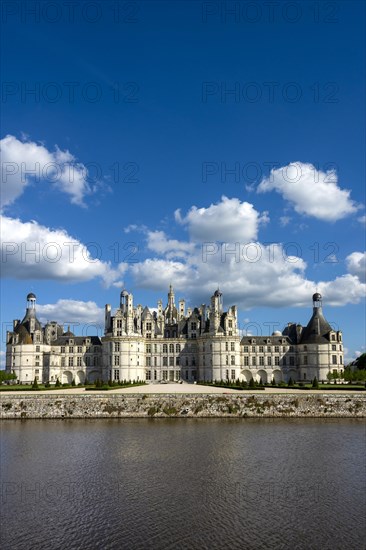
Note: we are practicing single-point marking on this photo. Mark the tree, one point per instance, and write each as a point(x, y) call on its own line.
point(260, 381)
point(35, 384)
point(58, 383)
point(73, 382)
point(5, 376)
point(290, 382)
point(315, 383)
point(329, 376)
point(252, 383)
point(273, 382)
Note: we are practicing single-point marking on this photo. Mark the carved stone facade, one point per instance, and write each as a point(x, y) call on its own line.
point(172, 344)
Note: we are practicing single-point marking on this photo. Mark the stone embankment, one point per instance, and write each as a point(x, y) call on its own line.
point(182, 406)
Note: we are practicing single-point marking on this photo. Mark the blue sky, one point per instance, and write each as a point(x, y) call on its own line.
point(153, 138)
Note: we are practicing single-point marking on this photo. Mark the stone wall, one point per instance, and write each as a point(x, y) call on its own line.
point(182, 406)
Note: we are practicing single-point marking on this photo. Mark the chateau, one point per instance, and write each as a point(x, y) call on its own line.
point(172, 343)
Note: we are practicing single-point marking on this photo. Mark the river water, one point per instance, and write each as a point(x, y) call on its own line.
point(183, 483)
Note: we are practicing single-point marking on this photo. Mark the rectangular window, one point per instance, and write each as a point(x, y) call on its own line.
point(71, 349)
point(116, 374)
point(119, 323)
point(277, 349)
point(171, 348)
point(148, 375)
point(261, 349)
point(233, 360)
point(261, 360)
point(37, 371)
point(116, 346)
point(165, 361)
point(227, 374)
point(165, 375)
point(155, 361)
point(148, 326)
point(71, 361)
point(38, 349)
point(165, 348)
point(116, 360)
point(277, 360)
point(193, 326)
point(254, 361)
point(246, 361)
point(340, 360)
point(148, 348)
point(155, 374)
point(305, 359)
point(171, 361)
point(80, 349)
point(232, 346)
point(148, 361)
point(62, 361)
point(246, 349)
point(334, 347)
point(155, 348)
point(226, 346)
point(63, 349)
point(78, 359)
point(253, 349)
point(177, 362)
point(269, 361)
point(233, 374)
point(334, 359)
point(227, 359)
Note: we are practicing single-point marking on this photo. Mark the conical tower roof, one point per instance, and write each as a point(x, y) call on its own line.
point(317, 330)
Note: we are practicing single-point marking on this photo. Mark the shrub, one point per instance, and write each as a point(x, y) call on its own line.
point(315, 383)
point(252, 383)
point(273, 382)
point(290, 383)
point(58, 384)
point(35, 384)
point(73, 382)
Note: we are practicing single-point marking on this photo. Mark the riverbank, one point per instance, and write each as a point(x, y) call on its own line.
point(182, 405)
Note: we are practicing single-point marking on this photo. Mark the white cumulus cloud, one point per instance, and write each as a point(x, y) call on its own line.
point(158, 242)
point(75, 313)
point(32, 251)
point(24, 162)
point(310, 191)
point(356, 264)
point(230, 220)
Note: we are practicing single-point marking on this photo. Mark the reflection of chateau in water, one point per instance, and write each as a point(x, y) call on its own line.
point(172, 343)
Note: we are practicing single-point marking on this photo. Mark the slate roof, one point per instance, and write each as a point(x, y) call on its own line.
point(317, 330)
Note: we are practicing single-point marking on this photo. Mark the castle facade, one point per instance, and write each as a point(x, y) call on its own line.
point(172, 343)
